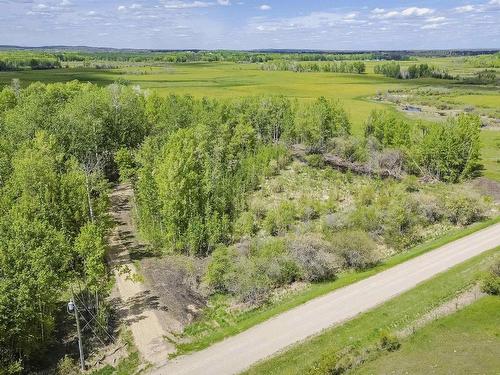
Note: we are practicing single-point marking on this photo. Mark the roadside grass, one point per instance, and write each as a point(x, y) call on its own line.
point(319, 354)
point(467, 342)
point(490, 153)
point(234, 325)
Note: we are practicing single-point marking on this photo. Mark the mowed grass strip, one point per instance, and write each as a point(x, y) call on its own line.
point(467, 342)
point(254, 317)
point(317, 355)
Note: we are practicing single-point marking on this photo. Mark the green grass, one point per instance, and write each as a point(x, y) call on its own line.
point(253, 317)
point(467, 342)
point(491, 101)
point(317, 355)
point(490, 153)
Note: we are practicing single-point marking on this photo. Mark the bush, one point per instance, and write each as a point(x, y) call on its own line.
point(400, 223)
point(491, 282)
point(125, 162)
point(247, 284)
point(350, 148)
point(464, 208)
point(245, 225)
point(335, 221)
point(308, 209)
point(429, 207)
point(280, 270)
point(315, 160)
point(314, 258)
point(280, 220)
point(388, 342)
point(67, 366)
point(356, 248)
point(220, 266)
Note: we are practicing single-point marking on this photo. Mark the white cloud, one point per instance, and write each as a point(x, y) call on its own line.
point(414, 11)
point(65, 3)
point(121, 8)
point(494, 2)
point(265, 7)
point(186, 4)
point(135, 6)
point(224, 2)
point(435, 19)
point(408, 12)
point(431, 26)
point(465, 9)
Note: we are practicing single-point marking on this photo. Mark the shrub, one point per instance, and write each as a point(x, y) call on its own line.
point(315, 160)
point(308, 209)
point(388, 342)
point(245, 225)
point(314, 258)
point(367, 218)
point(464, 208)
point(125, 162)
point(491, 282)
point(335, 221)
point(220, 266)
point(400, 223)
point(247, 284)
point(280, 220)
point(350, 148)
point(429, 207)
point(281, 269)
point(67, 366)
point(356, 248)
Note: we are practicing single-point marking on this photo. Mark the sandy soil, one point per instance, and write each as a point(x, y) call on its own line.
point(137, 306)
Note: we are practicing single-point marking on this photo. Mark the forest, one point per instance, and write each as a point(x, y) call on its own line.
point(195, 165)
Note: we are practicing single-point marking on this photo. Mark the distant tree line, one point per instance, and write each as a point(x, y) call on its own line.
point(357, 67)
point(394, 70)
point(23, 61)
point(484, 61)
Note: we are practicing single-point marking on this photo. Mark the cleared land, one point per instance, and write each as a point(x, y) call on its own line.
point(239, 352)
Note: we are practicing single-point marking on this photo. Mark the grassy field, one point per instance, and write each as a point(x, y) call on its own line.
point(491, 153)
point(317, 355)
point(467, 342)
point(249, 319)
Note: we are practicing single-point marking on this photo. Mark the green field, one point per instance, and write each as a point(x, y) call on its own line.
point(467, 342)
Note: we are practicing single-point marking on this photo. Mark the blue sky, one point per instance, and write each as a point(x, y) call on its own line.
point(248, 24)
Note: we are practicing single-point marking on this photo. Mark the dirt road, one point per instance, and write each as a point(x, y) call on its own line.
point(239, 352)
point(138, 307)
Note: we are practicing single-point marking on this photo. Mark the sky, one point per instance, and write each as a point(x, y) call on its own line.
point(249, 24)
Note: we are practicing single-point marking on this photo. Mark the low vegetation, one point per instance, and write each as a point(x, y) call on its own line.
point(464, 342)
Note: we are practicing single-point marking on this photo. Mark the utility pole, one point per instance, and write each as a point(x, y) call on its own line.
point(73, 307)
